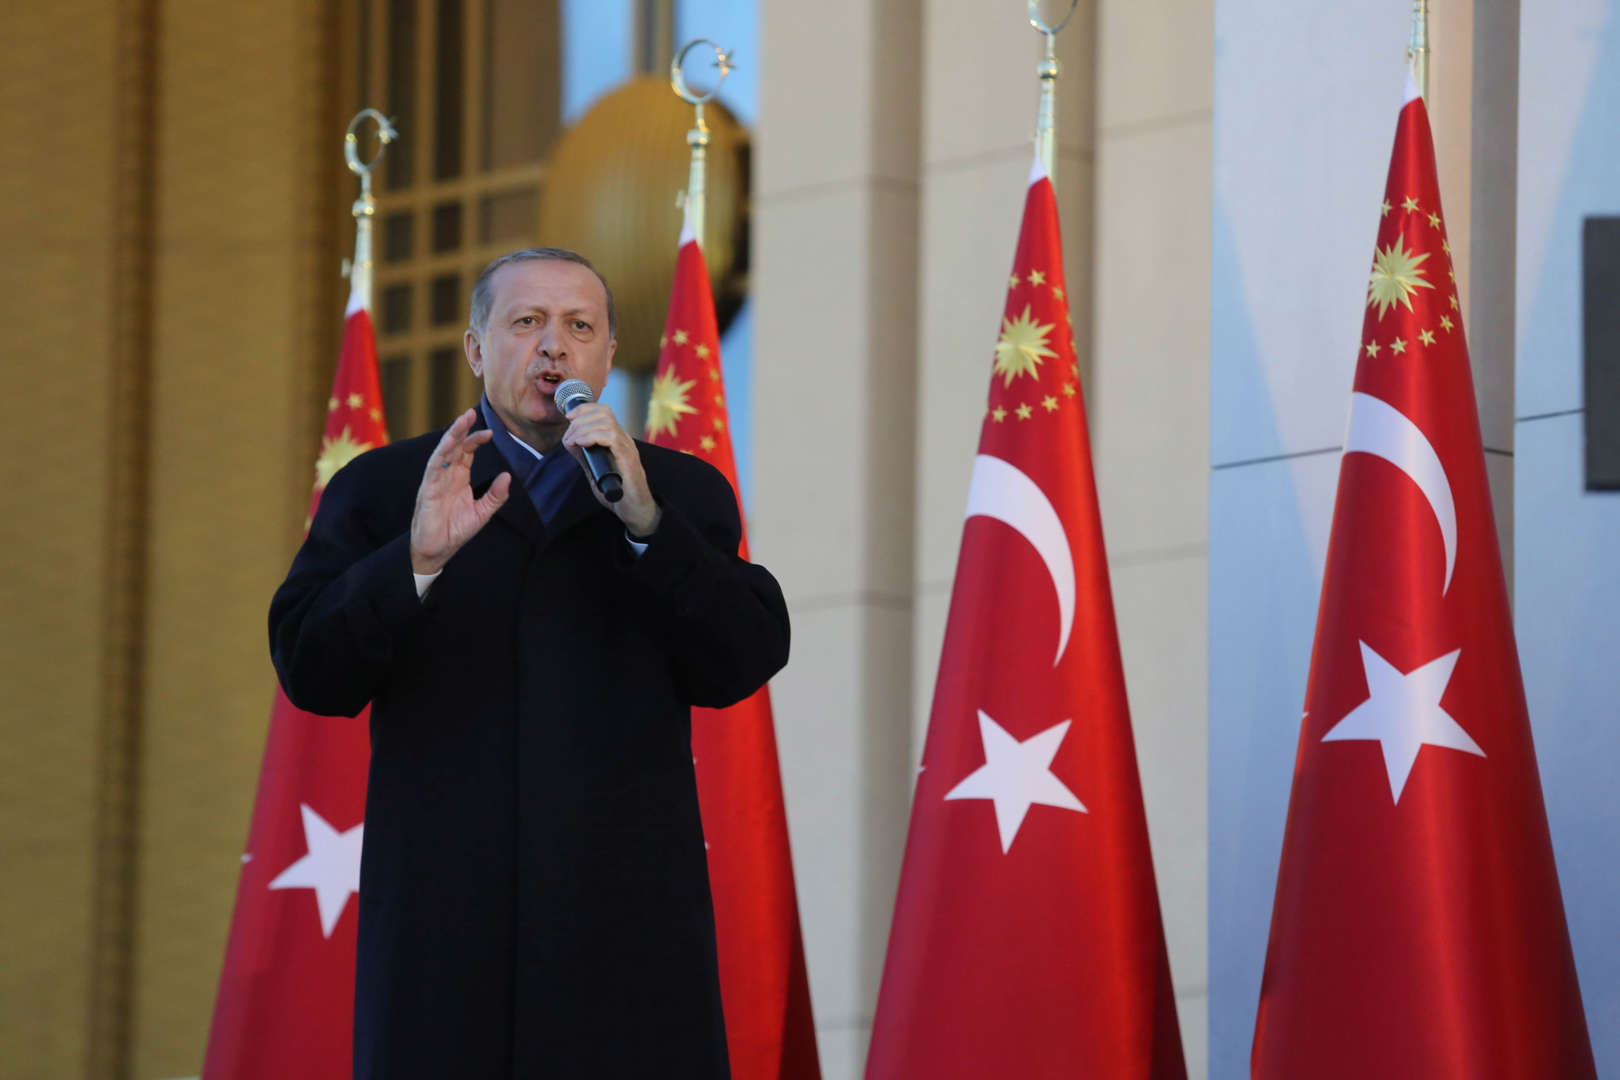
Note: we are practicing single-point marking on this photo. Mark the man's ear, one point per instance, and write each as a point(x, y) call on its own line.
point(475, 352)
point(613, 347)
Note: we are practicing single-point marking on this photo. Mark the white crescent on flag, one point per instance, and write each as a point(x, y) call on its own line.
point(1003, 492)
point(1380, 429)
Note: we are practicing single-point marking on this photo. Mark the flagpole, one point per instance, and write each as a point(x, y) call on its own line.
point(1048, 70)
point(359, 269)
point(1417, 50)
point(698, 137)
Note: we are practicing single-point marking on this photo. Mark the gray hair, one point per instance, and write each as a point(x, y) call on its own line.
point(483, 292)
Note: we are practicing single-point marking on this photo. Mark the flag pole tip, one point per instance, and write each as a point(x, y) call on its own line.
point(1037, 168)
point(687, 233)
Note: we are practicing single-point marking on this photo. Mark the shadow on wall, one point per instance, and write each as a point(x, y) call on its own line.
point(1268, 539)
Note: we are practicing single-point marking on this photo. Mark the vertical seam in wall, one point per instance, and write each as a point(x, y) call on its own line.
point(133, 194)
point(892, 252)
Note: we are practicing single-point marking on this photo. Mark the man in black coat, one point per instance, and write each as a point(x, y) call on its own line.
point(534, 895)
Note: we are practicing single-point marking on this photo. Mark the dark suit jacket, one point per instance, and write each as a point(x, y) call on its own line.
point(534, 895)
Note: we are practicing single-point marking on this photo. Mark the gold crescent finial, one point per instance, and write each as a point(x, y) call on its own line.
point(695, 200)
point(677, 73)
point(386, 134)
point(1038, 23)
point(358, 270)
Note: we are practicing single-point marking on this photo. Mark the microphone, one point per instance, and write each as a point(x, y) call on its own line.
point(570, 394)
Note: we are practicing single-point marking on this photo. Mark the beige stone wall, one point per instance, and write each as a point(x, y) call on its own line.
point(245, 290)
point(171, 307)
point(835, 256)
point(58, 118)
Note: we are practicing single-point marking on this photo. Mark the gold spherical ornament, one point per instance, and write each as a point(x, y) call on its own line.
point(610, 194)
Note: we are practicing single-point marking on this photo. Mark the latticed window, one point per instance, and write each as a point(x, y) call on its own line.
point(475, 88)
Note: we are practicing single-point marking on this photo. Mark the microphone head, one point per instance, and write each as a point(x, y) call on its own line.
point(572, 393)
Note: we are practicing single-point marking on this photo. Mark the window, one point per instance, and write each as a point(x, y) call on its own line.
point(475, 89)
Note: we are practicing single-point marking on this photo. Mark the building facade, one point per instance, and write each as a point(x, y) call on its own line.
point(178, 209)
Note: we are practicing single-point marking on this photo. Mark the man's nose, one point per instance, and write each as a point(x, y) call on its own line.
point(550, 344)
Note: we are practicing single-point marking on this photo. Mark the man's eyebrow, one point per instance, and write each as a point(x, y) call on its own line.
point(522, 307)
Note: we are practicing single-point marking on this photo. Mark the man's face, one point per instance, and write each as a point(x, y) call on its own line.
point(548, 322)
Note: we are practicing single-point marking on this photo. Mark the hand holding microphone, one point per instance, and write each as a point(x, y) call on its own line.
point(609, 456)
point(570, 395)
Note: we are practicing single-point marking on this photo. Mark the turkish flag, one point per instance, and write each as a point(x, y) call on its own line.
point(285, 1005)
point(770, 1031)
point(1027, 940)
point(1418, 929)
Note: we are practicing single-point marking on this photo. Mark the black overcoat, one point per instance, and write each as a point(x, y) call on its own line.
point(534, 896)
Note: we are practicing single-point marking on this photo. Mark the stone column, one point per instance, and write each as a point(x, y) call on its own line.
point(835, 309)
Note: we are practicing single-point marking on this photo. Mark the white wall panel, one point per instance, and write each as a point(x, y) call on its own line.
point(1569, 167)
point(1268, 533)
point(1569, 648)
point(1566, 539)
point(1306, 97)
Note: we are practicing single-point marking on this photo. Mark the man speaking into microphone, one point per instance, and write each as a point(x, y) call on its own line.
point(534, 895)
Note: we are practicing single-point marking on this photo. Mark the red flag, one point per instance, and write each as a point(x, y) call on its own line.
point(1026, 939)
point(770, 1031)
point(1418, 929)
point(286, 994)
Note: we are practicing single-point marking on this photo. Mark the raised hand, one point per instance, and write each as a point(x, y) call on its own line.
point(595, 425)
point(447, 515)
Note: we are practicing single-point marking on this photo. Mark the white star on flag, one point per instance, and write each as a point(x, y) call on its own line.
point(1016, 775)
point(331, 868)
point(1403, 713)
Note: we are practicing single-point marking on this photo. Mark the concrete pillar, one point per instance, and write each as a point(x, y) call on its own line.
point(835, 214)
